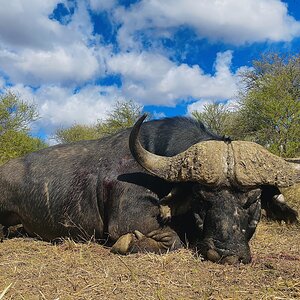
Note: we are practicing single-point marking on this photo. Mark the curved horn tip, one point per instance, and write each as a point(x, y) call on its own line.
point(133, 138)
point(141, 119)
point(136, 127)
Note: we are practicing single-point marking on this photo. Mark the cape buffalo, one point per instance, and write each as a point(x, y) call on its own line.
point(215, 188)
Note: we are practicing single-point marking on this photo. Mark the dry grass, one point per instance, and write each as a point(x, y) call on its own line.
point(31, 269)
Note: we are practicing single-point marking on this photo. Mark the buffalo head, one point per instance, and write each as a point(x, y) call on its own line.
point(227, 177)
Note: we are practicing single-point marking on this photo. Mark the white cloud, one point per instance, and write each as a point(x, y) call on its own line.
point(54, 58)
point(154, 79)
point(2, 83)
point(60, 106)
point(26, 24)
point(35, 50)
point(198, 106)
point(230, 104)
point(84, 107)
point(81, 23)
point(74, 64)
point(158, 115)
point(148, 78)
point(57, 57)
point(98, 6)
point(230, 21)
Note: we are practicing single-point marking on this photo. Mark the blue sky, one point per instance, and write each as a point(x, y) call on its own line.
point(75, 59)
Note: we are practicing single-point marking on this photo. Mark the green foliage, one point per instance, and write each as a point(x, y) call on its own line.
point(215, 116)
point(15, 117)
point(123, 115)
point(269, 107)
point(77, 132)
point(15, 114)
point(17, 143)
point(270, 104)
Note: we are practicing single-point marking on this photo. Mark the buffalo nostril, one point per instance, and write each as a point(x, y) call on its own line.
point(213, 255)
point(234, 259)
point(246, 260)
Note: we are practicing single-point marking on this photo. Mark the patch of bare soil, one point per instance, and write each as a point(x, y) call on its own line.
point(31, 269)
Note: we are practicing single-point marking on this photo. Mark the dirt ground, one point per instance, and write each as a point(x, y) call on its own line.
point(32, 269)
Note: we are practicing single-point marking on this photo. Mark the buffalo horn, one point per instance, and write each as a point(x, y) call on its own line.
point(215, 163)
point(204, 162)
point(254, 166)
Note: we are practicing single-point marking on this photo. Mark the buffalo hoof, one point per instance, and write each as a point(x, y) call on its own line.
point(139, 235)
point(124, 244)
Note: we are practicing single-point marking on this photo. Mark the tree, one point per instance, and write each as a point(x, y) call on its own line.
point(15, 114)
point(123, 115)
point(15, 118)
point(270, 104)
point(77, 132)
point(215, 116)
point(17, 143)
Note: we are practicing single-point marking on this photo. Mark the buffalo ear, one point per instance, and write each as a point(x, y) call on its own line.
point(273, 202)
point(251, 197)
point(254, 212)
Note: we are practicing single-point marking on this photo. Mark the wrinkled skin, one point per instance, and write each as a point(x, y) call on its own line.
point(227, 220)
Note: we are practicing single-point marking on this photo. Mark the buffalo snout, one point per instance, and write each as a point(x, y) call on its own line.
point(228, 221)
point(238, 254)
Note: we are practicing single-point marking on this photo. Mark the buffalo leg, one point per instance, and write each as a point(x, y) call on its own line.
point(157, 241)
point(8, 219)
